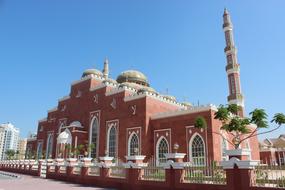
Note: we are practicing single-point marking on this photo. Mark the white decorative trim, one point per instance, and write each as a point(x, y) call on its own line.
point(106, 158)
point(237, 102)
point(42, 120)
point(87, 78)
point(233, 70)
point(102, 85)
point(241, 164)
point(154, 96)
point(64, 98)
point(174, 155)
point(52, 110)
point(114, 103)
point(117, 91)
point(175, 165)
point(131, 164)
point(183, 112)
point(137, 157)
point(237, 152)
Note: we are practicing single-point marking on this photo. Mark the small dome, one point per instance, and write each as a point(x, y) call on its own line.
point(89, 72)
point(133, 76)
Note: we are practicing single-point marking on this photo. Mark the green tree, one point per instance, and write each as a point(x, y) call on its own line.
point(238, 127)
point(10, 154)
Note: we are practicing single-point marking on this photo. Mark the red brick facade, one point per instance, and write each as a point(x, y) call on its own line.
point(148, 115)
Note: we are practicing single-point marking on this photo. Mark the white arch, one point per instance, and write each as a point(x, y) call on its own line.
point(190, 147)
point(60, 127)
point(116, 140)
point(94, 119)
point(64, 137)
point(129, 143)
point(157, 148)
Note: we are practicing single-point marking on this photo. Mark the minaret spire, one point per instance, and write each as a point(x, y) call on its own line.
point(233, 67)
point(106, 68)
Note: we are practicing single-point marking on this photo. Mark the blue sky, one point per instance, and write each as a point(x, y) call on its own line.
point(47, 44)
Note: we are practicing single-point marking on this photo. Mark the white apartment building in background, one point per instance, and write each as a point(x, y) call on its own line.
point(9, 139)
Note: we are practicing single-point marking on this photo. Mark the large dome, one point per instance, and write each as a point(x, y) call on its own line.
point(92, 72)
point(133, 76)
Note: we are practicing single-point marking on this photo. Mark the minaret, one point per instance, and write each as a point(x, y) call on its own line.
point(106, 69)
point(232, 68)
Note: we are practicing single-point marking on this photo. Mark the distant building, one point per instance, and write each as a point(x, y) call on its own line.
point(9, 138)
point(272, 150)
point(22, 148)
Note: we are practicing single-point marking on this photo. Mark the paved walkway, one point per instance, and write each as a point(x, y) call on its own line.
point(26, 182)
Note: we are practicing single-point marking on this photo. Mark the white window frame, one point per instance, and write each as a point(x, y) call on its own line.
point(94, 119)
point(157, 148)
point(50, 135)
point(129, 143)
point(108, 138)
point(190, 148)
point(40, 142)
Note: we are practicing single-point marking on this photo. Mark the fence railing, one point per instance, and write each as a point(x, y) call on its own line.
point(35, 167)
point(62, 169)
point(210, 174)
point(261, 176)
point(153, 173)
point(52, 168)
point(94, 171)
point(77, 170)
point(118, 171)
point(270, 176)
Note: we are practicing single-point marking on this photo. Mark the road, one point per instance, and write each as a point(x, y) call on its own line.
point(26, 182)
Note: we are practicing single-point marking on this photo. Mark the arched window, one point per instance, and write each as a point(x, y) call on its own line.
point(224, 146)
point(161, 149)
point(112, 142)
point(39, 150)
point(94, 132)
point(198, 151)
point(247, 146)
point(49, 146)
point(133, 145)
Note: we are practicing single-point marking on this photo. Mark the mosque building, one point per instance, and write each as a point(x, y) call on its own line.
point(127, 116)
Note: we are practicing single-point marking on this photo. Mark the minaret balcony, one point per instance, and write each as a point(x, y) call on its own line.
point(227, 24)
point(230, 48)
point(232, 66)
point(235, 97)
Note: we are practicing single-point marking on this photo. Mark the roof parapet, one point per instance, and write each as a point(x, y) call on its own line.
point(184, 112)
